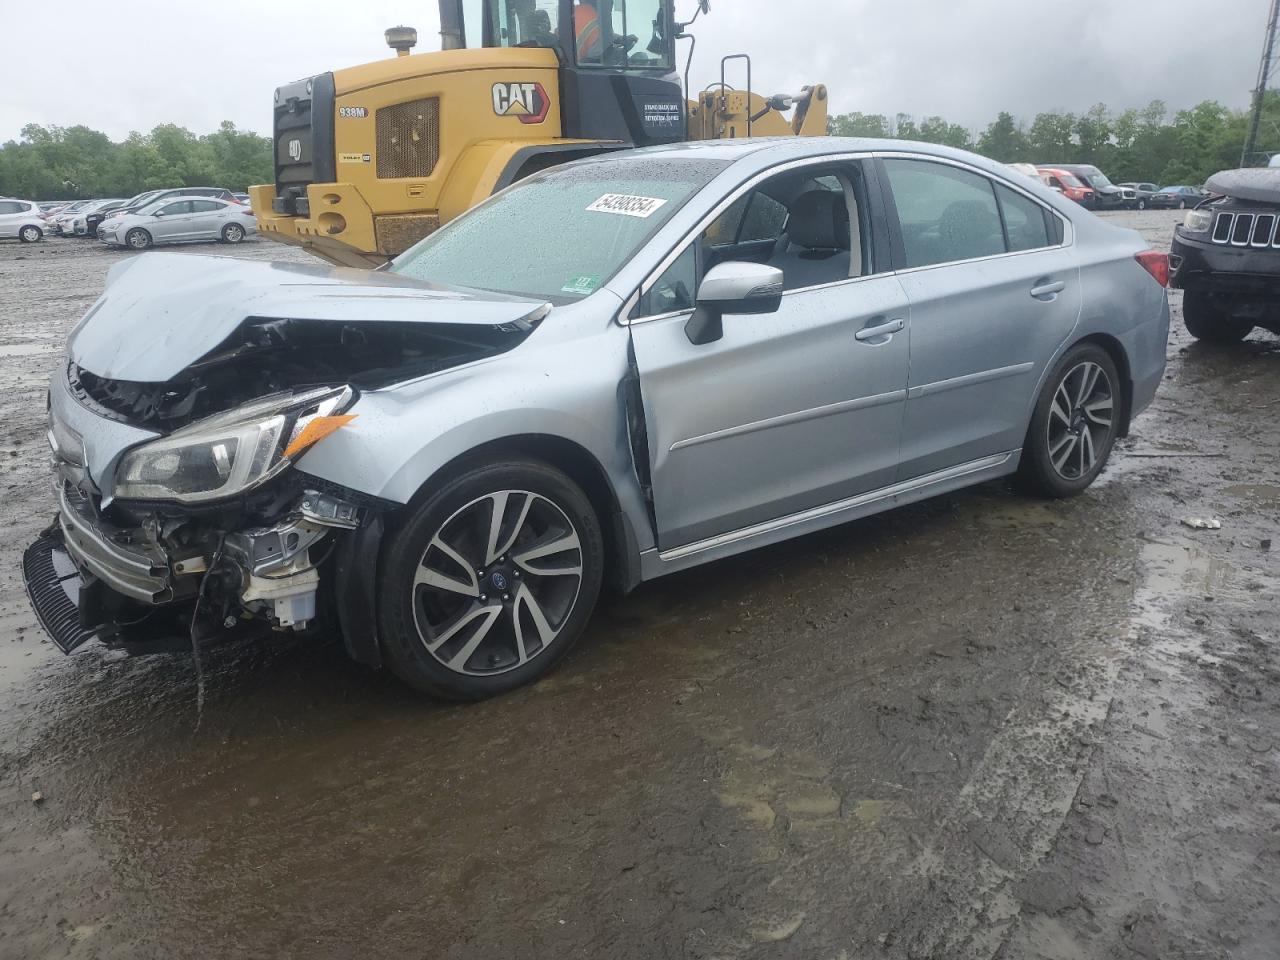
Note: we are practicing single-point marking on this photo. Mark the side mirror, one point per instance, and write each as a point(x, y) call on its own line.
point(734, 287)
point(704, 6)
point(158, 213)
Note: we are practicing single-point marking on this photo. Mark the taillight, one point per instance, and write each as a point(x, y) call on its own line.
point(1156, 264)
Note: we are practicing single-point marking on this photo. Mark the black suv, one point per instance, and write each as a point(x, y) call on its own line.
point(1226, 257)
point(1106, 195)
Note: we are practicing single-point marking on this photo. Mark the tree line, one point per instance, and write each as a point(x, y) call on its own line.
point(68, 163)
point(1150, 144)
point(1146, 145)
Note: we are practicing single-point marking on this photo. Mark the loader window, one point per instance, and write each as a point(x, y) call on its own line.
point(525, 23)
point(622, 33)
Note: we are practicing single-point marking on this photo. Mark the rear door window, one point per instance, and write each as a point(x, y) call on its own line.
point(945, 213)
point(1024, 220)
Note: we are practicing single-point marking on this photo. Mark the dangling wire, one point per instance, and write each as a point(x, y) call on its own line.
point(195, 641)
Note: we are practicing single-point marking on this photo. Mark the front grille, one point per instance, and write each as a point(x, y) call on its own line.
point(1245, 229)
point(408, 139)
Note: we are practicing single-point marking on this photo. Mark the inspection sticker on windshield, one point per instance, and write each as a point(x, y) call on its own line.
point(627, 206)
point(581, 285)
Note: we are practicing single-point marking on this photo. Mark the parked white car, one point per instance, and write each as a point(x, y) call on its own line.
point(21, 219)
point(180, 220)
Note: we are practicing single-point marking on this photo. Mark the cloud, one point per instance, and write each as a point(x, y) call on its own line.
point(132, 64)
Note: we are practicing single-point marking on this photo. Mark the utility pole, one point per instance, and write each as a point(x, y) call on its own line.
point(1265, 69)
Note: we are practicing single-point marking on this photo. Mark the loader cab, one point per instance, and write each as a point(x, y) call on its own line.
point(618, 78)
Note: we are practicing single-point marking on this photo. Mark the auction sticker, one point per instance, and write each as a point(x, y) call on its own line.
point(627, 206)
point(581, 285)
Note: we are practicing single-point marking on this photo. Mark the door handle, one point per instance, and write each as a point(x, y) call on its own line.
point(882, 328)
point(1048, 289)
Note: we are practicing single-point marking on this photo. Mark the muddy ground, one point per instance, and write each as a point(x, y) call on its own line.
point(983, 726)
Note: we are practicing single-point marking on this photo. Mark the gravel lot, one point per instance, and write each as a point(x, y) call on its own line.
point(983, 726)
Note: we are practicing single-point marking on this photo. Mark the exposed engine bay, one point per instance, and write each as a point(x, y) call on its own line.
point(268, 356)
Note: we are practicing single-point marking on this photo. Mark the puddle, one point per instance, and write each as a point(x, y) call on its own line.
point(1260, 493)
point(24, 349)
point(1179, 576)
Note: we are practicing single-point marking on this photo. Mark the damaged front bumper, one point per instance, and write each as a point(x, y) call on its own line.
point(149, 586)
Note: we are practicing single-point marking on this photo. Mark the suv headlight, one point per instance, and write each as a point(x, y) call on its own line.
point(233, 452)
point(1197, 221)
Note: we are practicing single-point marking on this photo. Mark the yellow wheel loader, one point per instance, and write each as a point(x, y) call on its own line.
point(371, 159)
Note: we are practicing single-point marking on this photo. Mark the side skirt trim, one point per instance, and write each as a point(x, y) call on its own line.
point(655, 563)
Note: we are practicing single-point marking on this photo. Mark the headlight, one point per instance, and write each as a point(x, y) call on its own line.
point(1197, 221)
point(233, 452)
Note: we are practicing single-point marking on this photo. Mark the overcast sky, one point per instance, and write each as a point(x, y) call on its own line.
point(131, 64)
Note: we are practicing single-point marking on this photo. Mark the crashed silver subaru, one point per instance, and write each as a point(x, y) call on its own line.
point(613, 370)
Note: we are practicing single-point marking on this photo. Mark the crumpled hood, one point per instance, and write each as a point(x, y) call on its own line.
point(161, 312)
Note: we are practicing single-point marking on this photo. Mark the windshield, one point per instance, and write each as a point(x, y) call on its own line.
point(559, 235)
point(1096, 179)
point(1172, 190)
point(1068, 180)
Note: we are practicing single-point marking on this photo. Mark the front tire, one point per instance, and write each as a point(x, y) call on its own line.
point(1074, 425)
point(30, 234)
point(232, 233)
point(1142, 204)
point(1182, 205)
point(490, 581)
point(137, 239)
point(1208, 318)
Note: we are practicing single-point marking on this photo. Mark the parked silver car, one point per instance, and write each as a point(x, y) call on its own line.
point(20, 219)
point(612, 370)
point(180, 220)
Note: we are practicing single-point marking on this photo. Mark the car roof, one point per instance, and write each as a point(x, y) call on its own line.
point(760, 153)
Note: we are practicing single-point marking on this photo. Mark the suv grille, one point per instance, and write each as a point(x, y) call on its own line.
point(408, 139)
point(1246, 229)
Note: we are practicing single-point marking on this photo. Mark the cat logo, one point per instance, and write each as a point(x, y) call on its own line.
point(527, 101)
point(295, 150)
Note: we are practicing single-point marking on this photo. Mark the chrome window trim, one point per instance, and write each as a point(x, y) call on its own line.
point(623, 318)
point(1068, 231)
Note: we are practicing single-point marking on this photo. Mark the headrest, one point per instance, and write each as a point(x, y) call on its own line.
point(819, 221)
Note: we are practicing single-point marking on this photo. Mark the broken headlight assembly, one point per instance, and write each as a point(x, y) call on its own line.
point(1197, 221)
point(233, 452)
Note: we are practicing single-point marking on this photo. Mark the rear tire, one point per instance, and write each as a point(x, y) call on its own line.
point(137, 239)
point(471, 606)
point(232, 233)
point(30, 234)
point(1208, 318)
point(1074, 425)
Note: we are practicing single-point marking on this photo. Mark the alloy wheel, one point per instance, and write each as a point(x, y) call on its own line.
point(138, 240)
point(1080, 420)
point(497, 583)
point(233, 233)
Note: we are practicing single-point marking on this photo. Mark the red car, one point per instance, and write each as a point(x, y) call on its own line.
point(1070, 185)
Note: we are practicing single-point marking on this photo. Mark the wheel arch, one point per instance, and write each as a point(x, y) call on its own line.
point(622, 553)
point(1120, 357)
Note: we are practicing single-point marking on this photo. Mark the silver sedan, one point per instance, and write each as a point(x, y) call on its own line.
point(615, 369)
point(180, 220)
